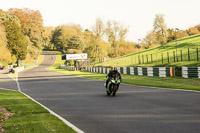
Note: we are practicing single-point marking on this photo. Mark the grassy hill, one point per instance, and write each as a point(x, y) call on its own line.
point(162, 55)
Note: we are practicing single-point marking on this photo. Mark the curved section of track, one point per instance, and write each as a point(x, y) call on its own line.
point(84, 103)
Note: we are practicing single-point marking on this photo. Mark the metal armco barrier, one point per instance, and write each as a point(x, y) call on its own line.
point(30, 65)
point(146, 71)
point(191, 72)
point(67, 67)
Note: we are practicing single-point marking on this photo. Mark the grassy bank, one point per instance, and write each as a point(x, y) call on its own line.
point(40, 60)
point(154, 56)
point(168, 82)
point(29, 117)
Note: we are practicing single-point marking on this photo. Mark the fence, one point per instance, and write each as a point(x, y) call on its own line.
point(67, 67)
point(146, 71)
point(30, 65)
point(191, 54)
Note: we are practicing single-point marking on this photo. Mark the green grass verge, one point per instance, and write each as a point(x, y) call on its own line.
point(168, 82)
point(29, 117)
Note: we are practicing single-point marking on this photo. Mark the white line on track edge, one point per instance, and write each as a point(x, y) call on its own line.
point(8, 89)
point(50, 111)
point(58, 116)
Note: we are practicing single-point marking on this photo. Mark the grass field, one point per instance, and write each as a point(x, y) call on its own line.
point(168, 82)
point(154, 55)
point(29, 117)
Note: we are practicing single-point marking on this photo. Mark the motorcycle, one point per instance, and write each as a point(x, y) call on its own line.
point(113, 86)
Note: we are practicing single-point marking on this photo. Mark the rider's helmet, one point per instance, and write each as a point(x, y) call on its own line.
point(115, 69)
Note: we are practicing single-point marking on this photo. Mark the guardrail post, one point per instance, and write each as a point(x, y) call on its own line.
point(147, 58)
point(143, 59)
point(188, 54)
point(181, 55)
point(174, 56)
point(139, 58)
point(197, 55)
point(168, 56)
point(156, 58)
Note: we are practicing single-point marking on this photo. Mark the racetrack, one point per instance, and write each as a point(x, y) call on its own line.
point(84, 103)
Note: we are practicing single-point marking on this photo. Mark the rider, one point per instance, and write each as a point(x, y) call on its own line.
point(111, 74)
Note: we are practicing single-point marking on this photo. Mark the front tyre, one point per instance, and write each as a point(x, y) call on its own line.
point(114, 89)
point(108, 94)
point(114, 93)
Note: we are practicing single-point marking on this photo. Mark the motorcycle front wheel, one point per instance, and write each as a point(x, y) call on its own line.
point(108, 93)
point(114, 90)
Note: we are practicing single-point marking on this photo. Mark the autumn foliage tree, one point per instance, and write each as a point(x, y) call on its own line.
point(115, 34)
point(160, 29)
point(16, 40)
point(5, 55)
point(149, 40)
point(47, 38)
point(73, 39)
point(192, 31)
point(32, 27)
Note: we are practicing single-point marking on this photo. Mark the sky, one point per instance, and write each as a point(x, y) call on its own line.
point(138, 15)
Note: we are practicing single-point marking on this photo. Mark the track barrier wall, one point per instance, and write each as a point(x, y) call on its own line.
point(146, 71)
point(191, 72)
point(187, 72)
point(67, 67)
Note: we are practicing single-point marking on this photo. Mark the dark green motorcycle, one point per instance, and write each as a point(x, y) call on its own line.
point(113, 86)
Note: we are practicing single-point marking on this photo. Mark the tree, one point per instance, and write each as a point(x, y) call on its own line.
point(115, 33)
point(181, 34)
point(192, 31)
point(171, 35)
point(32, 27)
point(47, 38)
point(75, 42)
point(126, 48)
point(61, 35)
point(67, 32)
point(149, 40)
point(123, 30)
point(160, 29)
point(56, 38)
point(5, 55)
point(198, 27)
point(98, 28)
point(16, 40)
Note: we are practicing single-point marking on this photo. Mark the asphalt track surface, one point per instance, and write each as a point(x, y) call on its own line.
point(6, 81)
point(134, 109)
